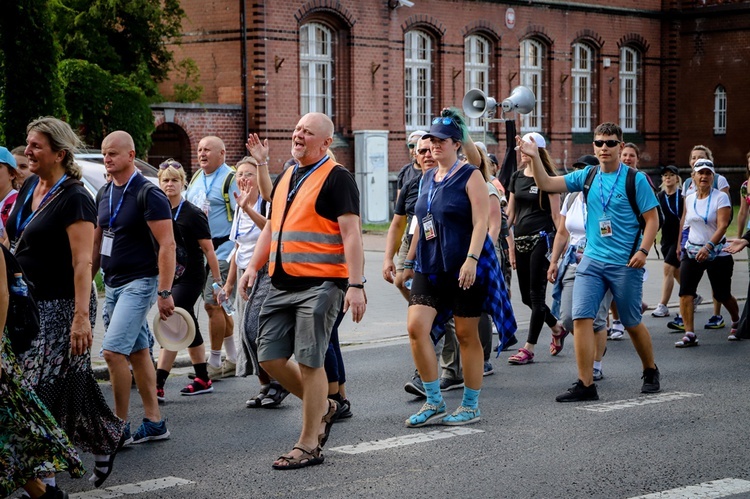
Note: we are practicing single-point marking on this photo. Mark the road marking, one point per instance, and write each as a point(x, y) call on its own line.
point(133, 488)
point(646, 400)
point(409, 439)
point(717, 488)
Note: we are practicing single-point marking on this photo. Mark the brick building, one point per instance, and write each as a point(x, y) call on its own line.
point(660, 68)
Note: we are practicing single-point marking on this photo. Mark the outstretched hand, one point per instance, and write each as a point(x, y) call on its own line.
point(257, 149)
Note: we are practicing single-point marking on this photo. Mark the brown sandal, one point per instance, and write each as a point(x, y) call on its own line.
point(308, 458)
point(328, 420)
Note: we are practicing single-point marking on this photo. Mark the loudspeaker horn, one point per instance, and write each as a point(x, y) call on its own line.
point(521, 100)
point(476, 103)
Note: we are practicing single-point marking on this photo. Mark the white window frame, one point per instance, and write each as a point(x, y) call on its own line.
point(629, 65)
point(417, 79)
point(581, 73)
point(532, 77)
point(720, 111)
point(316, 69)
point(476, 70)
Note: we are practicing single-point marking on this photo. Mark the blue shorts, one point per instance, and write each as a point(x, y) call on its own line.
point(126, 308)
point(595, 278)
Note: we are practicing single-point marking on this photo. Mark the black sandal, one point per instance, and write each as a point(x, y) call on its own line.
point(308, 458)
point(328, 419)
point(255, 402)
point(100, 476)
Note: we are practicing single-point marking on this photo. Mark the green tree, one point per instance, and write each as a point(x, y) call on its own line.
point(188, 89)
point(30, 86)
point(123, 37)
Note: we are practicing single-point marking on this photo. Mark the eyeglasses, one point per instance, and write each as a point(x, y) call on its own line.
point(170, 162)
point(610, 143)
point(411, 145)
point(445, 121)
point(422, 152)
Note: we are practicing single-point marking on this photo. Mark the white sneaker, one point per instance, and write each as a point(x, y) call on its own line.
point(618, 331)
point(660, 311)
point(697, 301)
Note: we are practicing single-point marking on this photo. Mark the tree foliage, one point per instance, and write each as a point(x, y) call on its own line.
point(30, 86)
point(188, 89)
point(99, 103)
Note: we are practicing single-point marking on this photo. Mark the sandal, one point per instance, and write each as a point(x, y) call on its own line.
point(308, 458)
point(427, 413)
point(554, 348)
point(333, 406)
point(257, 401)
point(521, 358)
point(462, 416)
point(689, 340)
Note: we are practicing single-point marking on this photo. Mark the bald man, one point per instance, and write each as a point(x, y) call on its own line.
point(137, 273)
point(315, 243)
point(212, 190)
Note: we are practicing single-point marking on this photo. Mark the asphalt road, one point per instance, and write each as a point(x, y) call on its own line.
point(526, 445)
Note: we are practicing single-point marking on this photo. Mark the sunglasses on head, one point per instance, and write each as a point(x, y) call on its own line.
point(610, 143)
point(445, 121)
point(170, 162)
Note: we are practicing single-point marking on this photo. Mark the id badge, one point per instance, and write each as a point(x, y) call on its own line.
point(429, 227)
point(206, 206)
point(108, 238)
point(605, 227)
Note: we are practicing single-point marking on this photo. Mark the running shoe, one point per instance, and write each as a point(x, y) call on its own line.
point(579, 393)
point(149, 431)
point(651, 380)
point(127, 438)
point(415, 386)
point(488, 369)
point(697, 300)
point(715, 322)
point(661, 310)
point(618, 331)
point(676, 324)
point(598, 374)
point(447, 385)
point(160, 395)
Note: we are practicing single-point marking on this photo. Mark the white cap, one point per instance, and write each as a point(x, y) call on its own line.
point(481, 145)
point(416, 134)
point(540, 142)
point(704, 164)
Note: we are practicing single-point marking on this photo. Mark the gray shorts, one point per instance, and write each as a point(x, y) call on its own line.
point(208, 292)
point(403, 250)
point(299, 323)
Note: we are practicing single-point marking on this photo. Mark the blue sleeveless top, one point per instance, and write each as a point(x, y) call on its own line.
point(451, 214)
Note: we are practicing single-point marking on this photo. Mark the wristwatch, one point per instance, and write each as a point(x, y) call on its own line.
point(165, 293)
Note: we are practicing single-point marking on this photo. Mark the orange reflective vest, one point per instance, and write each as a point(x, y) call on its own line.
point(311, 245)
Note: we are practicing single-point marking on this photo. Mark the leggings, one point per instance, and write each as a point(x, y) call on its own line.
point(334, 363)
point(185, 294)
point(531, 269)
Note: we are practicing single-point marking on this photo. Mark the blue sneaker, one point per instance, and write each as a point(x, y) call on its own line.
point(151, 431)
point(461, 416)
point(715, 322)
point(427, 413)
point(676, 324)
point(127, 438)
point(598, 374)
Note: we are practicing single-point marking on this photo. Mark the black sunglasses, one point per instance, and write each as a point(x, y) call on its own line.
point(610, 143)
point(411, 146)
point(422, 152)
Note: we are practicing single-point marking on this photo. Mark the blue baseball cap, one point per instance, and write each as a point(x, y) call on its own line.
point(7, 158)
point(444, 128)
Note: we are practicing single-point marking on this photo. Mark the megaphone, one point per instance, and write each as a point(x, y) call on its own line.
point(521, 100)
point(476, 103)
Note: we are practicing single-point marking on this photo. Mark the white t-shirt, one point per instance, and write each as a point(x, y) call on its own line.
point(701, 229)
point(575, 217)
point(245, 233)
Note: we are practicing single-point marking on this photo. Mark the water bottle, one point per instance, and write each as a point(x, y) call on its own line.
point(221, 297)
point(407, 283)
point(19, 287)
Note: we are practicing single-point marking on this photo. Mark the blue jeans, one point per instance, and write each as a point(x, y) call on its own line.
point(127, 307)
point(595, 278)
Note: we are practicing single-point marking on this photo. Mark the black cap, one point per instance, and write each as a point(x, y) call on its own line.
point(670, 169)
point(586, 160)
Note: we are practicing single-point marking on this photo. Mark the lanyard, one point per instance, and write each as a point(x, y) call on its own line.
point(612, 191)
point(676, 203)
point(178, 209)
point(213, 181)
point(20, 226)
point(241, 212)
point(113, 216)
point(293, 192)
point(708, 205)
point(433, 190)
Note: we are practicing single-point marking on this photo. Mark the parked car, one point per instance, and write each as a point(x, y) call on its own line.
point(94, 177)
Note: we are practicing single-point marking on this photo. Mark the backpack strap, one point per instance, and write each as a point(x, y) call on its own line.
point(570, 200)
point(225, 193)
point(589, 180)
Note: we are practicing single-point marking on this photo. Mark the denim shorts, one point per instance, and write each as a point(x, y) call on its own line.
point(126, 309)
point(595, 278)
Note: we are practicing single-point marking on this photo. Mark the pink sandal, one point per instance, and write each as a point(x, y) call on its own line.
point(521, 358)
point(554, 349)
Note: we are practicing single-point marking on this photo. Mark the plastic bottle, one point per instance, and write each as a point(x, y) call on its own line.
point(19, 287)
point(407, 283)
point(221, 297)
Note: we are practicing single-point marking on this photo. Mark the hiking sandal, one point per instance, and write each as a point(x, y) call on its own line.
point(308, 458)
point(333, 406)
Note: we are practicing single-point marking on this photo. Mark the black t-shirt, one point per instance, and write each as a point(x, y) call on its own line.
point(408, 197)
point(406, 174)
point(43, 251)
point(193, 226)
point(672, 207)
point(338, 196)
point(531, 218)
point(134, 253)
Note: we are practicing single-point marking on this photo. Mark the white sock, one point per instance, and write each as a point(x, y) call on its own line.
point(231, 349)
point(598, 364)
point(99, 457)
point(50, 480)
point(214, 360)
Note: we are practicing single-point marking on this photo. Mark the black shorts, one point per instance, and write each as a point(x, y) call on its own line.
point(719, 273)
point(669, 251)
point(441, 291)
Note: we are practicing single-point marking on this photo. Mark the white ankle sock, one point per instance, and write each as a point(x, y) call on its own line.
point(50, 480)
point(598, 364)
point(214, 359)
point(231, 349)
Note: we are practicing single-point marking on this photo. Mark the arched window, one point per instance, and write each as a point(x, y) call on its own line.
point(316, 69)
point(581, 74)
point(417, 79)
point(532, 61)
point(720, 111)
point(629, 71)
point(476, 69)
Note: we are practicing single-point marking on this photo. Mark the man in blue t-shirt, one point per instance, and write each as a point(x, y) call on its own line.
point(136, 275)
point(608, 262)
point(206, 191)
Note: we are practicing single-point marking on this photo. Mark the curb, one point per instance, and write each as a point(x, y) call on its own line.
point(101, 372)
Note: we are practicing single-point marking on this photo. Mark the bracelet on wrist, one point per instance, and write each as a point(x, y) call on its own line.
point(408, 266)
point(265, 163)
point(358, 286)
point(472, 256)
point(643, 250)
point(711, 243)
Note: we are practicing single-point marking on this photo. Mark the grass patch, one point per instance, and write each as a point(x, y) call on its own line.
point(99, 281)
point(376, 227)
